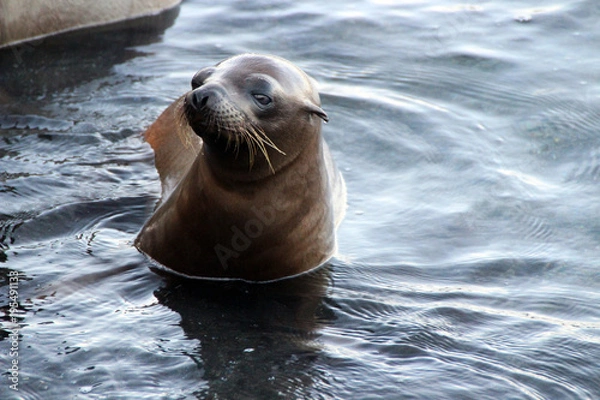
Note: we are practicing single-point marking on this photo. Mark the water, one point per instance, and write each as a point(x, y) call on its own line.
point(469, 257)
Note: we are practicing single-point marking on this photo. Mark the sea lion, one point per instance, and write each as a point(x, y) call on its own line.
point(249, 188)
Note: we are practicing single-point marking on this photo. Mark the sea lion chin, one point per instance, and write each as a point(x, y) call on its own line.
point(249, 188)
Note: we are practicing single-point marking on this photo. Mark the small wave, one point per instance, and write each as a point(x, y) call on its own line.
point(36, 122)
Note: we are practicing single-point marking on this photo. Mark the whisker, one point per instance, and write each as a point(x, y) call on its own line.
point(182, 125)
point(239, 130)
point(267, 140)
point(261, 145)
point(251, 147)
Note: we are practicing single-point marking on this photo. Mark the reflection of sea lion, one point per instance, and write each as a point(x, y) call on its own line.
point(253, 194)
point(279, 347)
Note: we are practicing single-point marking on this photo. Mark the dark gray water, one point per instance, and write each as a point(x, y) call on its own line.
point(469, 263)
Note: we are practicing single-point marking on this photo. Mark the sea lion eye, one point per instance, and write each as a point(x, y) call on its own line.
point(262, 99)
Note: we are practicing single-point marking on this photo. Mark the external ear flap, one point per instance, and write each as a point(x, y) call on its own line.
point(318, 111)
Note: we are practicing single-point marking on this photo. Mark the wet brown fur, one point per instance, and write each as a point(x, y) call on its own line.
point(209, 192)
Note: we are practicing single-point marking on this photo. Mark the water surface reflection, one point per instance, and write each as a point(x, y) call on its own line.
point(254, 341)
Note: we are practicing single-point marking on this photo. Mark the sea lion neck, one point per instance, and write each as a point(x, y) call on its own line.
point(231, 169)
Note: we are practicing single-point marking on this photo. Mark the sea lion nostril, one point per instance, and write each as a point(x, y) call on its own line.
point(199, 99)
point(203, 101)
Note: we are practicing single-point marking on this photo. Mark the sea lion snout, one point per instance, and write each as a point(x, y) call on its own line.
point(207, 96)
point(210, 112)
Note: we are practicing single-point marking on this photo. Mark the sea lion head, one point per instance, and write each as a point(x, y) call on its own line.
point(254, 111)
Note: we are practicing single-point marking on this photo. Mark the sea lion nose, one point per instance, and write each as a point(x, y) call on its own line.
point(205, 97)
point(199, 99)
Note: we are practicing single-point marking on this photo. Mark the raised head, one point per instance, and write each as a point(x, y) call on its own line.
point(254, 111)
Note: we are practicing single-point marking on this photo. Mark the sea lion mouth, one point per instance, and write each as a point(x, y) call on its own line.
point(217, 120)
